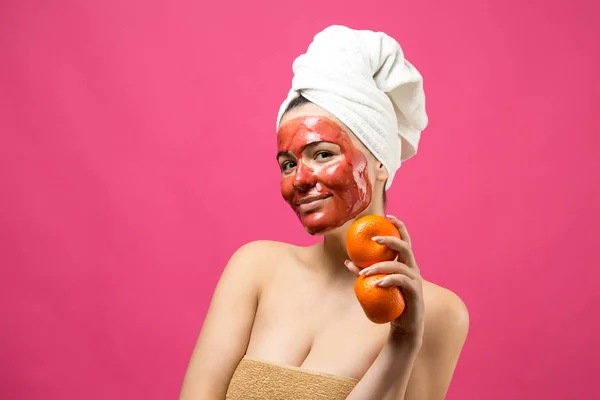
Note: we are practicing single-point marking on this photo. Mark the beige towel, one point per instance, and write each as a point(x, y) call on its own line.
point(257, 379)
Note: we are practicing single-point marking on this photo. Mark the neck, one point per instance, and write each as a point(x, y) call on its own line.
point(333, 248)
point(332, 254)
point(334, 245)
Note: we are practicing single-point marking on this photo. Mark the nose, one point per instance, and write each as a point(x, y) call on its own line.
point(304, 177)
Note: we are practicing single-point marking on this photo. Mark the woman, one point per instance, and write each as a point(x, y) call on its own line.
point(284, 321)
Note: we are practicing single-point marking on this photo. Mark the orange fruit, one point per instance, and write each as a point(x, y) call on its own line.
point(381, 305)
point(361, 249)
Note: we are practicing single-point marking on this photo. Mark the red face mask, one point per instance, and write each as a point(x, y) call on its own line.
point(324, 176)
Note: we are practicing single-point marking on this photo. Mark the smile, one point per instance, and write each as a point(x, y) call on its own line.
point(312, 199)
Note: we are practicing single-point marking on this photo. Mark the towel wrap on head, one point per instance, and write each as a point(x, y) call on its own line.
point(362, 78)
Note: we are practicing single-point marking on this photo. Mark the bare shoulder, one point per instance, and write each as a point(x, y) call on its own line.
point(446, 327)
point(265, 249)
point(262, 248)
point(228, 322)
point(258, 257)
point(446, 316)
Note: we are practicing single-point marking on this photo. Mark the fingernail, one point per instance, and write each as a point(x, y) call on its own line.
point(381, 282)
point(346, 262)
point(391, 216)
point(363, 271)
point(377, 239)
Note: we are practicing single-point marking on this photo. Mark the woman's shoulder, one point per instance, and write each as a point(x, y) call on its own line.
point(262, 254)
point(444, 310)
point(252, 263)
point(266, 249)
point(442, 300)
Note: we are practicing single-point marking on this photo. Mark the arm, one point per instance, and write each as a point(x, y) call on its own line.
point(446, 329)
point(226, 329)
point(419, 357)
point(408, 370)
point(388, 376)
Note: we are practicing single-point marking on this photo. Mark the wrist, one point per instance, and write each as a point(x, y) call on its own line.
point(401, 339)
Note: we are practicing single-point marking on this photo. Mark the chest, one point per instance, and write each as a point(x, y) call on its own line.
point(304, 324)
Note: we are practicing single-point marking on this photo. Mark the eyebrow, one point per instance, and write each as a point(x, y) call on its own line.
point(308, 146)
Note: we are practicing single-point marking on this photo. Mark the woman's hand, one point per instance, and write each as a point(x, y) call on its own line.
point(403, 273)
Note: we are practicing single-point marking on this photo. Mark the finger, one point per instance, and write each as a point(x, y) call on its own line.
point(405, 253)
point(390, 267)
point(352, 267)
point(408, 286)
point(401, 228)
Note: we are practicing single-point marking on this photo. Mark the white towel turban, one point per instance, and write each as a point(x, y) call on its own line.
point(363, 79)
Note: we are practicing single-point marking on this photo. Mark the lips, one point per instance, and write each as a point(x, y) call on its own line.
point(311, 199)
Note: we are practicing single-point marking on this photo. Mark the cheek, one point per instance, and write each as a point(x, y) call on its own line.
point(337, 176)
point(287, 188)
point(363, 169)
point(370, 171)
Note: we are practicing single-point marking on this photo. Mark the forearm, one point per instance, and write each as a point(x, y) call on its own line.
point(388, 377)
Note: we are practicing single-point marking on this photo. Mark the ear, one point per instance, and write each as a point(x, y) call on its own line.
point(382, 173)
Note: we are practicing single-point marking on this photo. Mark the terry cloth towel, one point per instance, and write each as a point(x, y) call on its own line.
point(363, 79)
point(257, 379)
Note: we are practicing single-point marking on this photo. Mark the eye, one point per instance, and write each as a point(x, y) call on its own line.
point(323, 155)
point(287, 165)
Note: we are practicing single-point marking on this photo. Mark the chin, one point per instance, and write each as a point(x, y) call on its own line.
point(313, 232)
point(320, 231)
point(321, 225)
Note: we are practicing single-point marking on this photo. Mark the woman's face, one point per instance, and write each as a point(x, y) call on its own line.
point(325, 175)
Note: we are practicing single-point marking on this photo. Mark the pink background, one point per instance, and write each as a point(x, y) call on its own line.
point(137, 150)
